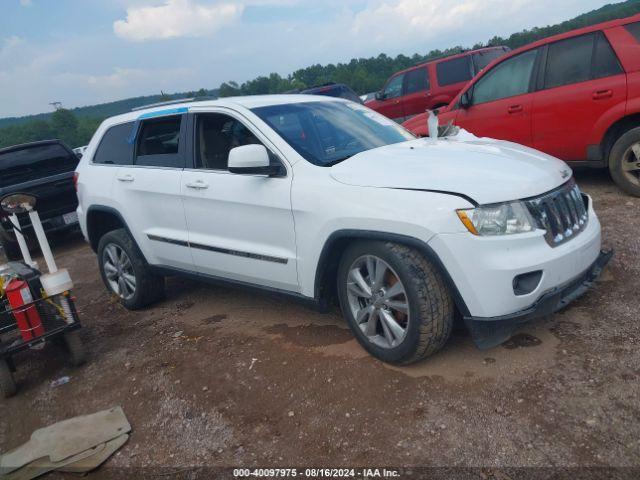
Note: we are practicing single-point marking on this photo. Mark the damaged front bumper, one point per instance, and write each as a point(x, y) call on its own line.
point(488, 332)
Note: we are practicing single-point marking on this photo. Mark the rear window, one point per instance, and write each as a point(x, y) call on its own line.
point(454, 71)
point(605, 62)
point(569, 61)
point(36, 162)
point(485, 57)
point(115, 147)
point(158, 143)
point(634, 29)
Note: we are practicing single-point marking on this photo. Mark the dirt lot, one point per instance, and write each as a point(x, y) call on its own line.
point(220, 377)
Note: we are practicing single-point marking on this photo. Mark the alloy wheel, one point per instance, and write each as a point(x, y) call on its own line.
point(119, 271)
point(378, 301)
point(631, 163)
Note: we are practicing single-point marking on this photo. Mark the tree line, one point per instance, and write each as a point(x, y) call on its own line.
point(76, 127)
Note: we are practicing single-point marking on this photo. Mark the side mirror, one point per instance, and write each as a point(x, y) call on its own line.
point(252, 160)
point(18, 203)
point(465, 100)
point(380, 95)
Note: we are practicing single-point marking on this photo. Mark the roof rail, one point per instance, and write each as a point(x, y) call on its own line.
point(172, 102)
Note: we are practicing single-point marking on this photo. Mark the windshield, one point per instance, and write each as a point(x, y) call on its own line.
point(325, 133)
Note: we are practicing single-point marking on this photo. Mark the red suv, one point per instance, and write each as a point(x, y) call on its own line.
point(575, 96)
point(430, 85)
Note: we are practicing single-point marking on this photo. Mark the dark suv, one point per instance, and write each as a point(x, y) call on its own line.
point(339, 90)
point(46, 170)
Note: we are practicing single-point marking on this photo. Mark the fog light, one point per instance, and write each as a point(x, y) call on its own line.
point(526, 283)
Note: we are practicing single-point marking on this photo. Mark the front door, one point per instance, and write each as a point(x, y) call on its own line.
point(390, 102)
point(240, 226)
point(416, 92)
point(501, 102)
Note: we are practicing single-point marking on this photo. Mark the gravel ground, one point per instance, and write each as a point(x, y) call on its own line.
point(220, 377)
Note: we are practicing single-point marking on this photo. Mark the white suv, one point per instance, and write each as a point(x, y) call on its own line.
point(322, 198)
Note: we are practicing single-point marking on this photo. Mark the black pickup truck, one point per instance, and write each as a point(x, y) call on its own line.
point(45, 170)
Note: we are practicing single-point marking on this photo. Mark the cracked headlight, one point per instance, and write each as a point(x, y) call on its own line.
point(497, 219)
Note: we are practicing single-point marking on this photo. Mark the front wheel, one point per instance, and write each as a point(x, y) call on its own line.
point(395, 301)
point(624, 162)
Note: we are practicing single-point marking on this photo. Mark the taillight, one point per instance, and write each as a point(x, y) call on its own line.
point(75, 180)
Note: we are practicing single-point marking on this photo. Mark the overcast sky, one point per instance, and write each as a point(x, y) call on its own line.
point(83, 52)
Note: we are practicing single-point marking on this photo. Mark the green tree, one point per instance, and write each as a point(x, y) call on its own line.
point(64, 125)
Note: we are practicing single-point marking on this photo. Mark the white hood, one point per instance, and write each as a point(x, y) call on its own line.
point(485, 170)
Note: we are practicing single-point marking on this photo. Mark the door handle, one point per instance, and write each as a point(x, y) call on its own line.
point(600, 94)
point(198, 185)
point(397, 102)
point(125, 178)
point(515, 109)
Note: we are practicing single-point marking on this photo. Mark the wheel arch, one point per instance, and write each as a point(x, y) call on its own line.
point(615, 131)
point(337, 242)
point(102, 220)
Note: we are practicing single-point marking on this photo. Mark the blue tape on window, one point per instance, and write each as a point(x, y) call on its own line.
point(162, 113)
point(159, 113)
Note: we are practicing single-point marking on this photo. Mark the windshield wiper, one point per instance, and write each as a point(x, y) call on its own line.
point(337, 160)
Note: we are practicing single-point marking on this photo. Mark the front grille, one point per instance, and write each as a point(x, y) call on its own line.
point(562, 213)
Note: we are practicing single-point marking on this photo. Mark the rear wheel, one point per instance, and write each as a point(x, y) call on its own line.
point(624, 162)
point(126, 273)
point(7, 383)
point(395, 301)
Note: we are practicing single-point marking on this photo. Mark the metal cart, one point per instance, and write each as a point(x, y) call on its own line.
point(35, 306)
point(56, 326)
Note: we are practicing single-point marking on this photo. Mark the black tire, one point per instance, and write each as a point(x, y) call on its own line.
point(149, 287)
point(431, 310)
point(11, 250)
point(620, 156)
point(7, 383)
point(75, 347)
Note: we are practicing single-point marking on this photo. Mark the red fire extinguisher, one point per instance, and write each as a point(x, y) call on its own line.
point(25, 313)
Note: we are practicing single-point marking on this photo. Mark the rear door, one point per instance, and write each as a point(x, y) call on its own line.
point(147, 192)
point(502, 102)
point(580, 81)
point(452, 76)
point(240, 226)
point(415, 93)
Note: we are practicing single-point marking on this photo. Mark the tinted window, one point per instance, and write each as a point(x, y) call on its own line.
point(454, 71)
point(325, 133)
point(217, 134)
point(605, 62)
point(569, 61)
point(416, 81)
point(115, 147)
point(634, 29)
point(485, 57)
point(507, 79)
point(339, 91)
point(32, 163)
point(394, 87)
point(158, 142)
